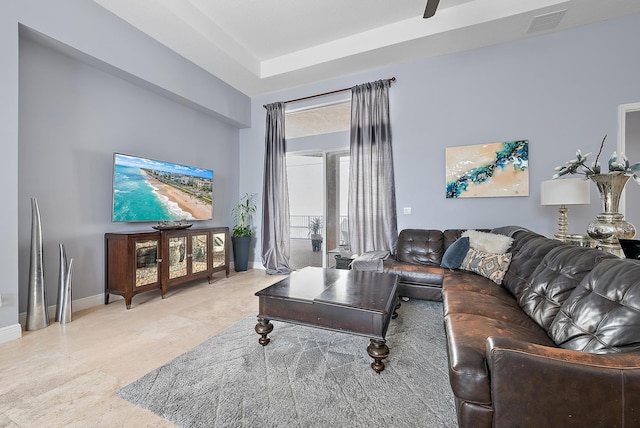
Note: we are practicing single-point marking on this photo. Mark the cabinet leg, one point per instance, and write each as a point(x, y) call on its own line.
point(106, 298)
point(127, 302)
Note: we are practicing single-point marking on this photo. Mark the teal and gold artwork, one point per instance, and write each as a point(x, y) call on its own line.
point(488, 170)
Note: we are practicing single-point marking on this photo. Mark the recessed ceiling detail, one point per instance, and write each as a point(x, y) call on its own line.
point(261, 46)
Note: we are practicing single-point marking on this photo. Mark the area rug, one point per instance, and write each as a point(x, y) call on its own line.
point(306, 377)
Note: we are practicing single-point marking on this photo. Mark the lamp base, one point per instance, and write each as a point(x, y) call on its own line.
point(563, 224)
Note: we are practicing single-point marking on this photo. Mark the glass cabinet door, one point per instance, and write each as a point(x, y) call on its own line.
point(177, 256)
point(199, 253)
point(219, 249)
point(146, 262)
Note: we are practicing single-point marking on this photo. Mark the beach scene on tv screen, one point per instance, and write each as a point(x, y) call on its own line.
point(151, 190)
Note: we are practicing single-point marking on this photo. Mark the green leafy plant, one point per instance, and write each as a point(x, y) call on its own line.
point(617, 163)
point(315, 225)
point(243, 214)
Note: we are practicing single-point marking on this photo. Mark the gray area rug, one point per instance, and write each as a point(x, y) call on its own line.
point(306, 377)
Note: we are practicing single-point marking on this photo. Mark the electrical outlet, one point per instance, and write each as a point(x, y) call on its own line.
point(407, 210)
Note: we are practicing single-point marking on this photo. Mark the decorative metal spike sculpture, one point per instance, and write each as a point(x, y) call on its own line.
point(61, 281)
point(37, 311)
point(65, 315)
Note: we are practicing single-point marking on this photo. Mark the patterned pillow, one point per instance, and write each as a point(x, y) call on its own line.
point(490, 265)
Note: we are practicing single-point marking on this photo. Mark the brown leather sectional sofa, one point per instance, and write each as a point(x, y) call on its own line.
point(417, 261)
point(556, 345)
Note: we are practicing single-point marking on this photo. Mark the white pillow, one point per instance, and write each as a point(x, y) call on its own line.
point(488, 242)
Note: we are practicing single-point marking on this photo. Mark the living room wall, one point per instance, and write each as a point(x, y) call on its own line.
point(99, 85)
point(560, 91)
point(73, 117)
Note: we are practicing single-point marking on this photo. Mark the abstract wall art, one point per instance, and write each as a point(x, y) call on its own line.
point(488, 170)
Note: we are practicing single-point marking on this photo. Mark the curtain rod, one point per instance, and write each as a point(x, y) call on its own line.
point(392, 79)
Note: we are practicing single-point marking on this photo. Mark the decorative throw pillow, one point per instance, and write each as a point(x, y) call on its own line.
point(455, 254)
point(488, 242)
point(490, 265)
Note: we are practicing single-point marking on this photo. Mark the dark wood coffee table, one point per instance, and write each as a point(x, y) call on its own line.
point(356, 302)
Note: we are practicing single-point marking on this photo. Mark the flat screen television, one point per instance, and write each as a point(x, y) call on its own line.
point(151, 190)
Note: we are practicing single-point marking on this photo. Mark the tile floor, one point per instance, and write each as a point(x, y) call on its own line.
point(67, 375)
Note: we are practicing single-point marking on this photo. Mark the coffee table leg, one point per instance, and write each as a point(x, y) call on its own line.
point(378, 350)
point(263, 328)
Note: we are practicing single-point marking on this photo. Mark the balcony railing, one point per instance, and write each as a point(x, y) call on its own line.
point(299, 225)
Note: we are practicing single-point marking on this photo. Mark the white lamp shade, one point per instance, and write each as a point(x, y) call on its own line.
point(568, 191)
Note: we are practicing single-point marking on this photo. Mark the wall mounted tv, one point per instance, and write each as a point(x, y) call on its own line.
point(151, 190)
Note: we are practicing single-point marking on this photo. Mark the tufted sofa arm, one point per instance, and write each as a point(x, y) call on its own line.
point(535, 385)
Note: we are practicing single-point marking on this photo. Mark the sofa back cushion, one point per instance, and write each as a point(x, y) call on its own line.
point(602, 314)
point(425, 246)
point(527, 251)
point(553, 280)
point(422, 246)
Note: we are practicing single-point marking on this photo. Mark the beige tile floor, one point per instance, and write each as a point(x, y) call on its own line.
point(67, 375)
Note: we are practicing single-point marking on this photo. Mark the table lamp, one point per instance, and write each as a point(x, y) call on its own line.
point(563, 192)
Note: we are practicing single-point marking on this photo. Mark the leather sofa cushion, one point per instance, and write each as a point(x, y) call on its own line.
point(463, 281)
point(527, 252)
point(555, 278)
point(425, 246)
point(420, 246)
point(474, 295)
point(466, 341)
point(602, 314)
point(499, 306)
point(413, 273)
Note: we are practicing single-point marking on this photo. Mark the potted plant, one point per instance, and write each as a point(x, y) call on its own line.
point(314, 231)
point(241, 235)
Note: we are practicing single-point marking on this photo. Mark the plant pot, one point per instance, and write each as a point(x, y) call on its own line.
point(241, 247)
point(316, 242)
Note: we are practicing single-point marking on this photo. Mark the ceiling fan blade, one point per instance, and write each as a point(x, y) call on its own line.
point(430, 10)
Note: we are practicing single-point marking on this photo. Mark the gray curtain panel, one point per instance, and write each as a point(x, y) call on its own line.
point(372, 194)
point(275, 195)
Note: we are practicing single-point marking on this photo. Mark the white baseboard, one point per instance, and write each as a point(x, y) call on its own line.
point(76, 305)
point(252, 265)
point(257, 265)
point(11, 332)
point(82, 304)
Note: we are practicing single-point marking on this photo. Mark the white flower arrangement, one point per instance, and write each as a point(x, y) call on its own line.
point(617, 163)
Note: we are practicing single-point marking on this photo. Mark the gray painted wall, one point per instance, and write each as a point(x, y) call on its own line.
point(194, 111)
point(559, 91)
point(9, 170)
point(73, 117)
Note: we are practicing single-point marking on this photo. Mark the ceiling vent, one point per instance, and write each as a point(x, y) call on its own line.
point(545, 22)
